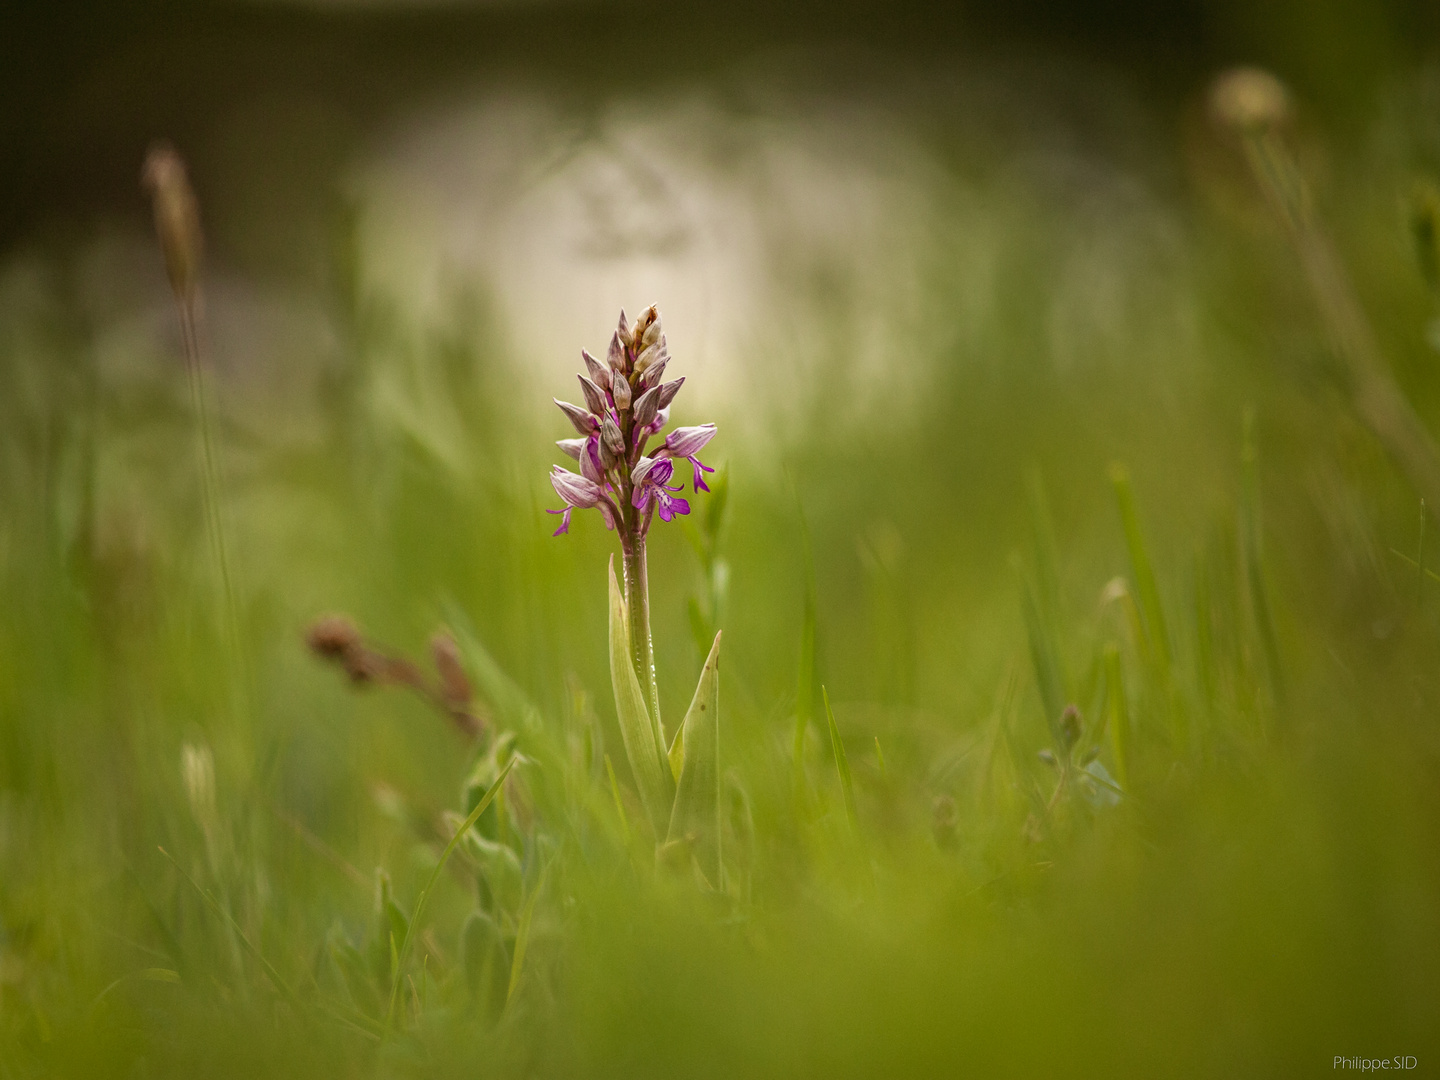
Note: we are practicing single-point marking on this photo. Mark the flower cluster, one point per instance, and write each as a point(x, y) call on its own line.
point(627, 403)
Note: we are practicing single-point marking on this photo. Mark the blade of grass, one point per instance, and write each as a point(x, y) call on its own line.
point(215, 906)
point(805, 676)
point(619, 803)
point(1255, 557)
point(842, 764)
point(424, 896)
point(1141, 566)
point(522, 942)
point(1117, 718)
point(1049, 676)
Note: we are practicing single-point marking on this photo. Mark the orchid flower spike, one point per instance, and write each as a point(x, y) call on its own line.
point(626, 404)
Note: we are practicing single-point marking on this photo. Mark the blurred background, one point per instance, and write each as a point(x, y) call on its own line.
point(932, 269)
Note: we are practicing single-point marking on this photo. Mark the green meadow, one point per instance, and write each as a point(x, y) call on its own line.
point(1074, 544)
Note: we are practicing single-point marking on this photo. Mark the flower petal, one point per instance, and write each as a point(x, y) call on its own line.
point(571, 446)
point(564, 521)
point(646, 406)
point(669, 390)
point(584, 421)
point(594, 396)
point(575, 490)
point(598, 371)
point(688, 441)
point(651, 376)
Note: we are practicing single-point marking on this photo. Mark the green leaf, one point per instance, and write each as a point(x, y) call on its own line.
point(696, 816)
point(484, 962)
point(637, 730)
point(619, 803)
point(677, 753)
point(430, 885)
point(842, 764)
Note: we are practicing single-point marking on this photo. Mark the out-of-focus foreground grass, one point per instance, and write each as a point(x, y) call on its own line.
point(1230, 870)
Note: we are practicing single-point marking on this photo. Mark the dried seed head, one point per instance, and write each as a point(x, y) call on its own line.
point(1249, 99)
point(454, 683)
point(177, 218)
point(647, 329)
point(332, 636)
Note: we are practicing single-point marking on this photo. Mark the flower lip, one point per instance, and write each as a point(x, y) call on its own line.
point(649, 477)
point(648, 465)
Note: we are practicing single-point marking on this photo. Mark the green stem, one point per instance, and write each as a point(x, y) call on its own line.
point(211, 488)
point(642, 652)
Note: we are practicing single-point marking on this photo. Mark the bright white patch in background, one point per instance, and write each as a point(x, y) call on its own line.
point(782, 253)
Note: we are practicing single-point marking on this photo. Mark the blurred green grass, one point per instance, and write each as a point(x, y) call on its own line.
point(1262, 899)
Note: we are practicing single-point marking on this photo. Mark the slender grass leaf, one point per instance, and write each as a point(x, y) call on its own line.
point(1049, 676)
point(696, 815)
point(677, 753)
point(1047, 561)
point(1204, 633)
point(483, 962)
point(424, 896)
point(215, 906)
point(842, 763)
point(1255, 576)
point(637, 728)
point(491, 680)
point(619, 803)
point(805, 676)
point(1141, 566)
point(522, 943)
point(1117, 718)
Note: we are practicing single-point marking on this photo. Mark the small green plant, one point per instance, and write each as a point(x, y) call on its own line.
point(627, 403)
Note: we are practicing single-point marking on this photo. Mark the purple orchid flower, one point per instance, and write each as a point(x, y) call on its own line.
point(649, 477)
point(687, 442)
point(626, 403)
point(581, 493)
